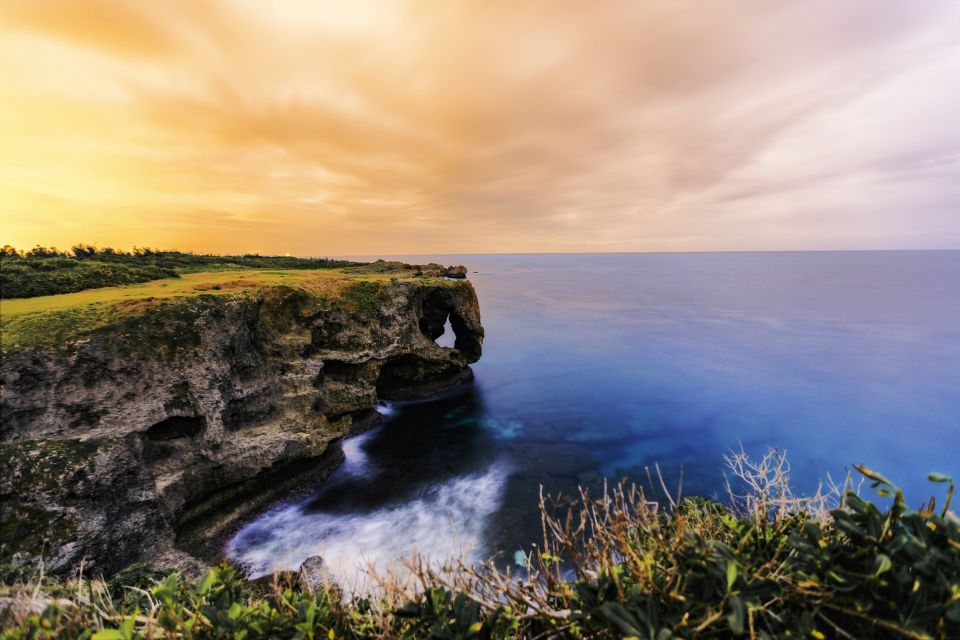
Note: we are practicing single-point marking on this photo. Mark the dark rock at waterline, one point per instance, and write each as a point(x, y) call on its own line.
point(149, 445)
point(311, 578)
point(458, 271)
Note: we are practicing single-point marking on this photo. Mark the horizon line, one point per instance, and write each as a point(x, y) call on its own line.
point(574, 253)
point(503, 253)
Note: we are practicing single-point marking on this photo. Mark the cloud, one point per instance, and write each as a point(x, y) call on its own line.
point(378, 127)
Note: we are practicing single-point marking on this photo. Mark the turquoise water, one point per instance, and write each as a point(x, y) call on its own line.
point(600, 365)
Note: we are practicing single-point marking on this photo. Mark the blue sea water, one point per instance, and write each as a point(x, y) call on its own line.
point(601, 365)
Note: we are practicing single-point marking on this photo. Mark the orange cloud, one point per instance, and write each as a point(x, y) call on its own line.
point(412, 126)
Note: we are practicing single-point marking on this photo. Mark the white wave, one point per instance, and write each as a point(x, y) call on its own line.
point(384, 409)
point(355, 462)
point(444, 521)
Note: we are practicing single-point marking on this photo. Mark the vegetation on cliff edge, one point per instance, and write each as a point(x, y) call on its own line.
point(769, 565)
point(56, 321)
point(45, 271)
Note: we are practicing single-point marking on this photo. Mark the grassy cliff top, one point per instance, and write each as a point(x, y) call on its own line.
point(48, 321)
point(210, 282)
point(46, 271)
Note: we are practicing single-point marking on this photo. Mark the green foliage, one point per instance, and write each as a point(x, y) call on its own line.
point(366, 297)
point(161, 313)
point(695, 572)
point(28, 277)
point(46, 270)
point(155, 326)
point(13, 573)
point(218, 606)
point(130, 586)
point(439, 613)
point(700, 572)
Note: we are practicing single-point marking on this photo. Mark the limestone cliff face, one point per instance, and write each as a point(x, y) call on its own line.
point(148, 441)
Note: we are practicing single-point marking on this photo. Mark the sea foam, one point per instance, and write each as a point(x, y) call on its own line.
point(443, 521)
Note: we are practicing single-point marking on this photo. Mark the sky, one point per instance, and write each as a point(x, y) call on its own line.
point(416, 126)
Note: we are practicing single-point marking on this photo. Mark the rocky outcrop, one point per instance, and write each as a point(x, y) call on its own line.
point(457, 271)
point(148, 441)
point(431, 269)
point(312, 576)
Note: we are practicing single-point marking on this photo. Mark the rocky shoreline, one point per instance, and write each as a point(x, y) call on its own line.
point(150, 441)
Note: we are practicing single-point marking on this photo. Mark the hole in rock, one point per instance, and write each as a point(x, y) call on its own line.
point(176, 427)
point(448, 338)
point(439, 317)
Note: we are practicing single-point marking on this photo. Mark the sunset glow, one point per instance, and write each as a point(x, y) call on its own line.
point(361, 127)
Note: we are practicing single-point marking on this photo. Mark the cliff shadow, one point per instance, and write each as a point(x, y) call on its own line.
point(421, 444)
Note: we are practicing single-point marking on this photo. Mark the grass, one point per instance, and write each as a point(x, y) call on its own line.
point(48, 271)
point(47, 321)
point(215, 283)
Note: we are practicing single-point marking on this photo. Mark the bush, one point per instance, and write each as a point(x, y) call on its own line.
point(613, 567)
point(128, 586)
point(48, 276)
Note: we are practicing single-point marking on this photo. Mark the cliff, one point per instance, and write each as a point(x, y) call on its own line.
point(144, 427)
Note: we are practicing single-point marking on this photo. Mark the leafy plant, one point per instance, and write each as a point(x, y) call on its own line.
point(613, 566)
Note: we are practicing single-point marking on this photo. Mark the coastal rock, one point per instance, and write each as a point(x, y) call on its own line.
point(312, 576)
point(459, 271)
point(152, 440)
point(429, 270)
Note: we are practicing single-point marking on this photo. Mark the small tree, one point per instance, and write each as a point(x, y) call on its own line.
point(10, 252)
point(84, 250)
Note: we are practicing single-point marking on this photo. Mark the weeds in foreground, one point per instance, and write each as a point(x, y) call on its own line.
point(770, 565)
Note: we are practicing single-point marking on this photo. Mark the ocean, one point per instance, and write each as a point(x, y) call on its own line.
point(599, 366)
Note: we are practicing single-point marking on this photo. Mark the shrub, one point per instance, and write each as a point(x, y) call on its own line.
point(613, 566)
point(26, 278)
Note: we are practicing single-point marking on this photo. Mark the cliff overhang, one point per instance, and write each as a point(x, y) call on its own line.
point(148, 436)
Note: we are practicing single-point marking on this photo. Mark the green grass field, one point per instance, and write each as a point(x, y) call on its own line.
point(45, 271)
point(222, 282)
point(47, 321)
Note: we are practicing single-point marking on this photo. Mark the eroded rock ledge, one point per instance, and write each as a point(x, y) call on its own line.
point(146, 441)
